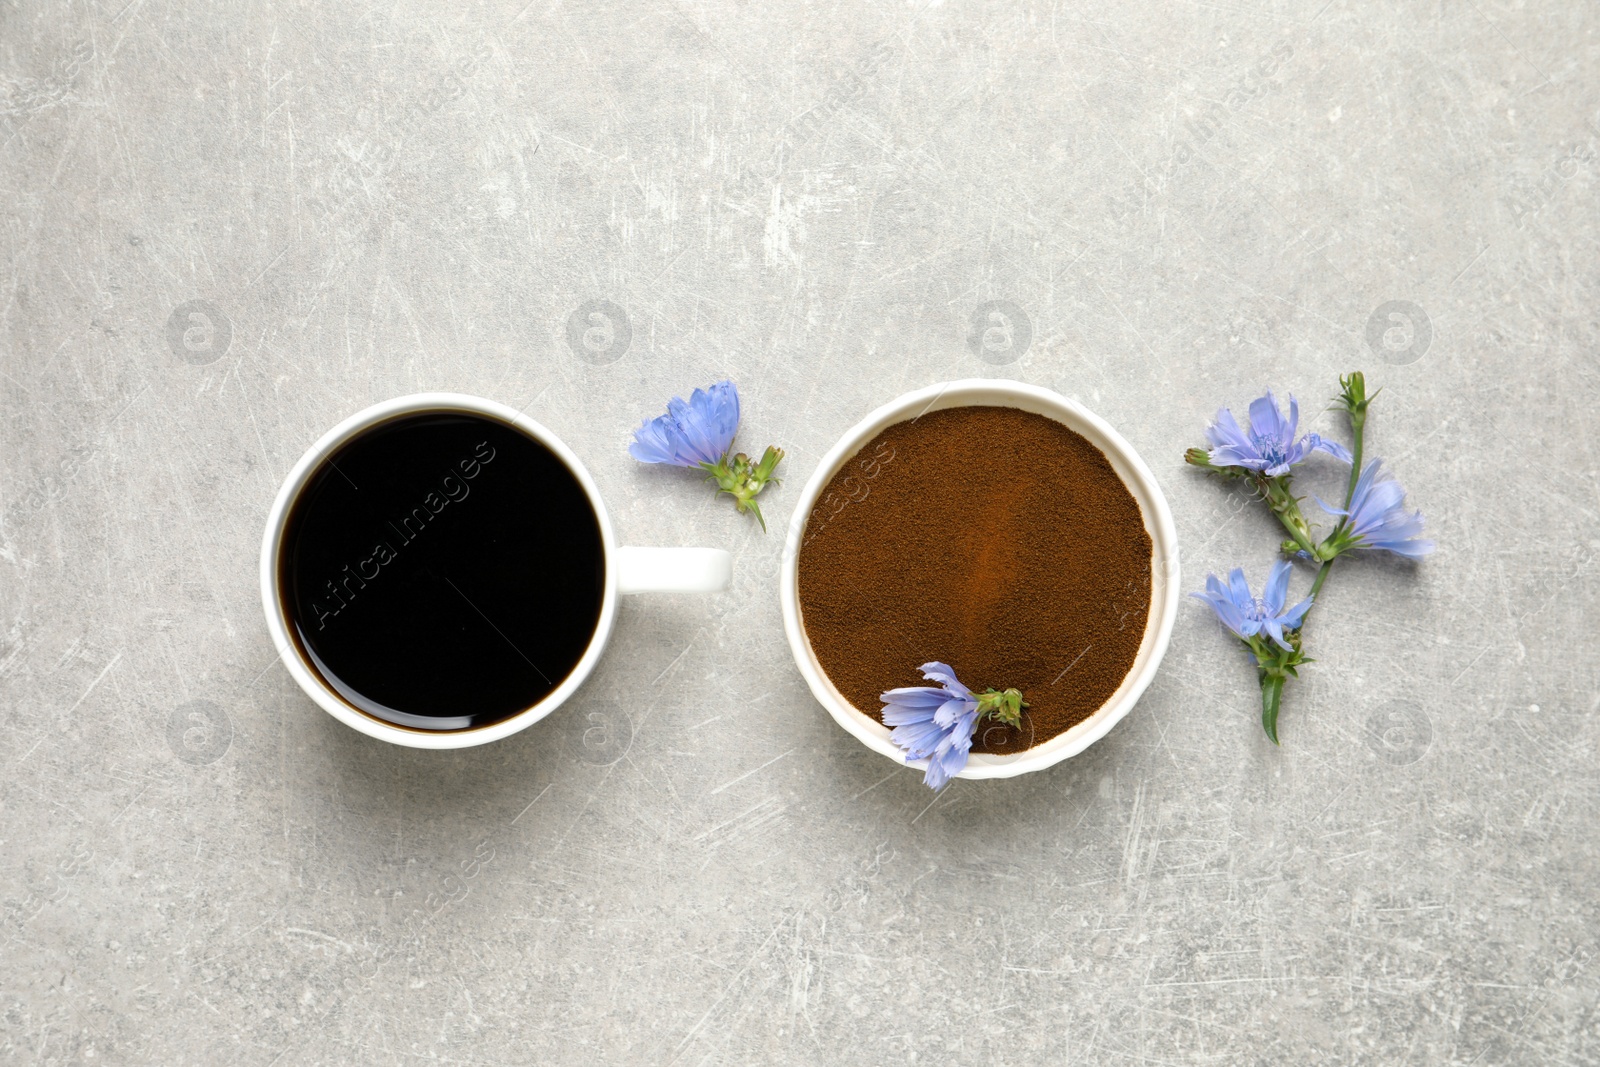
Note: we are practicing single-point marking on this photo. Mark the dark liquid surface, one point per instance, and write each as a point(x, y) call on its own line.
point(442, 571)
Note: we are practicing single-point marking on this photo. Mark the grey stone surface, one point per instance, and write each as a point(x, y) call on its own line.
point(225, 227)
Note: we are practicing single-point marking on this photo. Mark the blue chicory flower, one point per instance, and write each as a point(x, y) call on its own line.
point(698, 433)
point(935, 724)
point(1377, 516)
point(1246, 615)
point(693, 432)
point(1269, 446)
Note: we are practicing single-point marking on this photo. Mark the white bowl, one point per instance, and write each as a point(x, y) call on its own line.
point(1130, 468)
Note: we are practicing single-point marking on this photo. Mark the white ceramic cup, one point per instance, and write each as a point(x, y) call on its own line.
point(1130, 468)
point(628, 570)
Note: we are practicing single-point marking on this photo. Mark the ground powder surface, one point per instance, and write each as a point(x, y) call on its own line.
point(993, 539)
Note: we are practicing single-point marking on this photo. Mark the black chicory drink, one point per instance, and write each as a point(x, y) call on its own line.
point(442, 571)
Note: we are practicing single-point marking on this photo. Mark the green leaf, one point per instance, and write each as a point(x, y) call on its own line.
point(1271, 698)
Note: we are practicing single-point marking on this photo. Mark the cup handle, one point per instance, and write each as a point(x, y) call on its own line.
point(673, 570)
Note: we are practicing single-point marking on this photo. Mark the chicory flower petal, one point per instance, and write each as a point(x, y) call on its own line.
point(1246, 615)
point(1269, 445)
point(933, 723)
point(692, 432)
point(1377, 518)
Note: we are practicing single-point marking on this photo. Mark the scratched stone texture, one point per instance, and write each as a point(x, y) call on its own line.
point(227, 226)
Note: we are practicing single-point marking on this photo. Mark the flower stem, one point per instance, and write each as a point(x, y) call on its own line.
point(1358, 430)
point(1322, 576)
point(1281, 502)
point(1357, 426)
point(1354, 400)
point(1298, 535)
point(1316, 587)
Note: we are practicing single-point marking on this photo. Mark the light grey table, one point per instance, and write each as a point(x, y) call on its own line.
point(227, 227)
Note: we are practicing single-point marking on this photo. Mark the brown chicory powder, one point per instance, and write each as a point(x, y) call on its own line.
point(993, 539)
